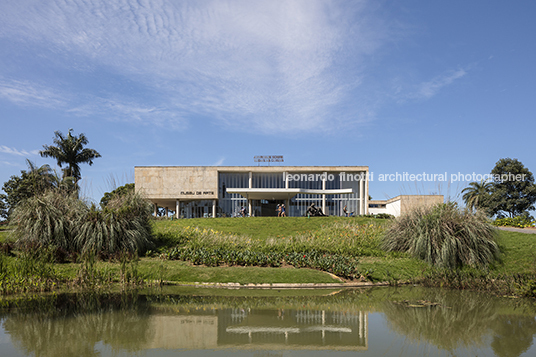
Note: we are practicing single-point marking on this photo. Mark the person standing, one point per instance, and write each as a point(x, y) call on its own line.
point(283, 213)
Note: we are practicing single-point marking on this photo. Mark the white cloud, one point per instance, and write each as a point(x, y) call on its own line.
point(7, 163)
point(29, 93)
point(428, 89)
point(269, 66)
point(12, 151)
point(125, 110)
point(219, 162)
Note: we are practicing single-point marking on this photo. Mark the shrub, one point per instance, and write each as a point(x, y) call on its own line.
point(50, 219)
point(444, 236)
point(518, 221)
point(123, 226)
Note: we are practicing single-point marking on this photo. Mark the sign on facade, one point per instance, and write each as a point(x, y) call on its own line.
point(268, 158)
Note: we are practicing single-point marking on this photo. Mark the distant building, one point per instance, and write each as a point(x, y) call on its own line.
point(226, 191)
point(222, 191)
point(401, 204)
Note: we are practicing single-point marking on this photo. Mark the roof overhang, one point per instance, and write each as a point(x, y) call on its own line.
point(284, 193)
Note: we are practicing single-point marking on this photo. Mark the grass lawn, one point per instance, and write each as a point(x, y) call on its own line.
point(262, 227)
point(519, 252)
point(179, 271)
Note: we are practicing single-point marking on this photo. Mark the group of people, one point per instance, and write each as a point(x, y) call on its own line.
point(281, 211)
point(313, 211)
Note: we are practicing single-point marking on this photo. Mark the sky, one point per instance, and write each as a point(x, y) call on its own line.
point(435, 87)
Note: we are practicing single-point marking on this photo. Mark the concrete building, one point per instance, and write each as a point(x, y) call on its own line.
point(222, 191)
point(401, 204)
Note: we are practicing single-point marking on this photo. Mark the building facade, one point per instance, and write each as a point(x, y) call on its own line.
point(224, 191)
point(402, 204)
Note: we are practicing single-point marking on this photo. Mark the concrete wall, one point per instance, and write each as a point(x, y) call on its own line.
point(399, 205)
point(177, 182)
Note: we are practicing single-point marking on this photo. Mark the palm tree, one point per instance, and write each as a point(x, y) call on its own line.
point(477, 194)
point(70, 150)
point(39, 179)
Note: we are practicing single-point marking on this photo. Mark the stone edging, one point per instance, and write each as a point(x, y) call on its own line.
point(278, 285)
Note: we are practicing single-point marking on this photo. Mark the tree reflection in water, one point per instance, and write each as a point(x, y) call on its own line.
point(513, 335)
point(73, 324)
point(453, 319)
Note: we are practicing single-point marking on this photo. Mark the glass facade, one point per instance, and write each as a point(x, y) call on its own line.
point(230, 204)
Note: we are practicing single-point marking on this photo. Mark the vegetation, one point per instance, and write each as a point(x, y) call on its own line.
point(31, 182)
point(478, 195)
point(120, 191)
point(334, 246)
point(444, 236)
point(122, 226)
point(48, 220)
point(512, 191)
point(523, 221)
point(512, 196)
point(70, 150)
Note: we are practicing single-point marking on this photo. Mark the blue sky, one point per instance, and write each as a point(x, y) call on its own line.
point(399, 86)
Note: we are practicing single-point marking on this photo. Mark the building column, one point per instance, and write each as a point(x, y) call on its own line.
point(286, 180)
point(361, 197)
point(213, 208)
point(324, 196)
point(287, 206)
point(366, 192)
point(177, 209)
point(155, 210)
point(166, 211)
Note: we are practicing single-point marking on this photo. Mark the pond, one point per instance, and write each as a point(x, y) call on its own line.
point(386, 321)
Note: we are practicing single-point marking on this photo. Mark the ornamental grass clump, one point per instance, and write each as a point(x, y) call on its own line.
point(122, 226)
point(444, 236)
point(50, 219)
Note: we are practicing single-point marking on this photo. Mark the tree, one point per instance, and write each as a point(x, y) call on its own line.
point(31, 182)
point(3, 207)
point(514, 191)
point(70, 150)
point(118, 192)
point(477, 195)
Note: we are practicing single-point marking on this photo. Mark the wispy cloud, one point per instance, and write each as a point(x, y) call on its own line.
point(29, 93)
point(219, 162)
point(428, 89)
point(7, 163)
point(12, 151)
point(270, 66)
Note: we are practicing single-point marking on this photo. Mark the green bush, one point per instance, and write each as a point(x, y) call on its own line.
point(343, 266)
point(444, 236)
point(122, 226)
point(66, 224)
point(51, 219)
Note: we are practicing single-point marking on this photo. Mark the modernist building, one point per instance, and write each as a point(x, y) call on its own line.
point(222, 191)
point(402, 204)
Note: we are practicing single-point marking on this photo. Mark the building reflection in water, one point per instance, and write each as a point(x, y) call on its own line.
point(261, 329)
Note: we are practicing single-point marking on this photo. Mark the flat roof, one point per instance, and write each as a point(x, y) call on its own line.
point(267, 168)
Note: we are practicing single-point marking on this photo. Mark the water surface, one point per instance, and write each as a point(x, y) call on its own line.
point(406, 321)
